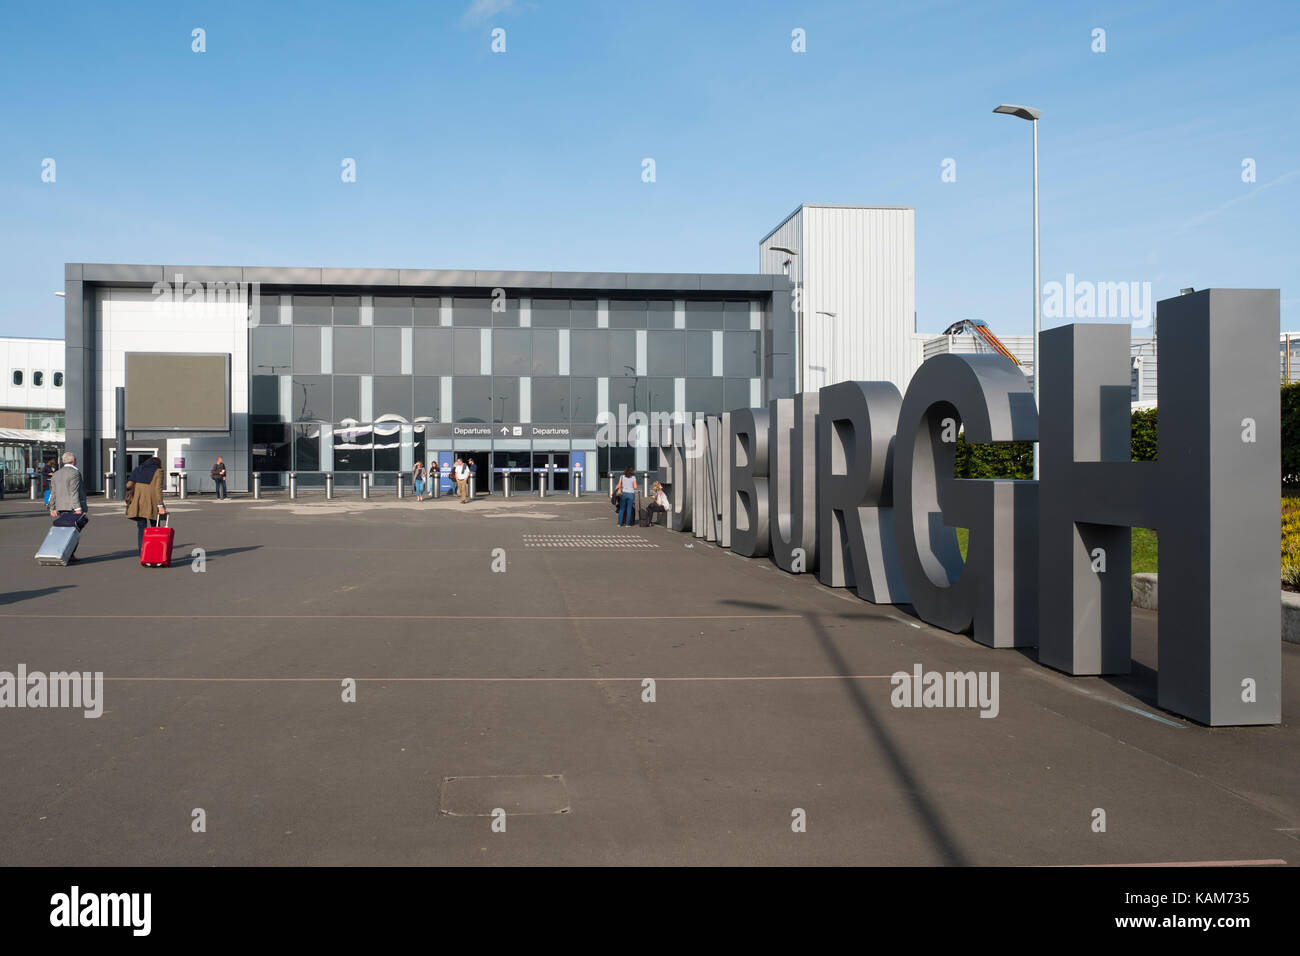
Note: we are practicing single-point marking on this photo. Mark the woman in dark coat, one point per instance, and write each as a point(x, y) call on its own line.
point(144, 496)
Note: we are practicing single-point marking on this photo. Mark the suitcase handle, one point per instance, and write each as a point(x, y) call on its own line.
point(165, 523)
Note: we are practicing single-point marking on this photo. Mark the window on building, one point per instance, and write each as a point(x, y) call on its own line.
point(58, 379)
point(347, 310)
point(311, 310)
point(18, 376)
point(38, 379)
point(392, 310)
point(627, 313)
point(550, 313)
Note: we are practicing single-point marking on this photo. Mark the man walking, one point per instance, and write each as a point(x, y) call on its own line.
point(462, 479)
point(219, 478)
point(68, 494)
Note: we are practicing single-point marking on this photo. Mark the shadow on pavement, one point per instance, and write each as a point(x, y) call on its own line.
point(13, 597)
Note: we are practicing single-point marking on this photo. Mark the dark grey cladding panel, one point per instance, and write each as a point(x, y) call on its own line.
point(75, 333)
point(72, 270)
point(92, 272)
point(664, 281)
point(361, 276)
point(589, 280)
point(274, 275)
point(436, 277)
point(735, 283)
point(512, 280)
point(203, 273)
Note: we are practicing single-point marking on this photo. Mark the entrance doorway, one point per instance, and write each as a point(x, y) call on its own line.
point(480, 463)
point(134, 456)
point(518, 463)
point(544, 461)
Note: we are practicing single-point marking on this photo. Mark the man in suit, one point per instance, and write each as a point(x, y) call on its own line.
point(68, 493)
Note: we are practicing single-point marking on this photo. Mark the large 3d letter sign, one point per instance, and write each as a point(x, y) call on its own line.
point(1047, 562)
point(1211, 496)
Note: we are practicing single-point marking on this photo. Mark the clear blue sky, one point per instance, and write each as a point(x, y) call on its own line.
point(531, 159)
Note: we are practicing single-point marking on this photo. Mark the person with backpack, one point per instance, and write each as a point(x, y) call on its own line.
point(144, 496)
point(627, 498)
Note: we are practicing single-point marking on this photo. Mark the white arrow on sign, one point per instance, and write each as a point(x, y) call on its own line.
point(504, 430)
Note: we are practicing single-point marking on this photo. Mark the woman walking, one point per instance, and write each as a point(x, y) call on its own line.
point(144, 496)
point(417, 479)
point(627, 498)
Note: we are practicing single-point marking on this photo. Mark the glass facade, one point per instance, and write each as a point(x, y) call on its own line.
point(354, 382)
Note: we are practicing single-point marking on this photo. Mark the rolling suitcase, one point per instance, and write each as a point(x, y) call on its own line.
point(58, 546)
point(156, 552)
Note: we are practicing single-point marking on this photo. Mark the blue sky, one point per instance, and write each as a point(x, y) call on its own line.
point(531, 159)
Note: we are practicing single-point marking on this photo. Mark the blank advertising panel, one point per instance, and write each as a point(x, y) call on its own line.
point(178, 391)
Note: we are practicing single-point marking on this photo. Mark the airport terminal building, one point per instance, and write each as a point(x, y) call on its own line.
point(351, 371)
point(368, 370)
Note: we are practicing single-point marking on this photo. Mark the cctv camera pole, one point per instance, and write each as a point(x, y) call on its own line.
point(1038, 304)
point(121, 443)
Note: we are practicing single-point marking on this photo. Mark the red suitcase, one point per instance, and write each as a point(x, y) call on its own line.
point(156, 552)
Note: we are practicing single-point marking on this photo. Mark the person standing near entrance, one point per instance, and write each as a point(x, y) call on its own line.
point(47, 473)
point(417, 480)
point(627, 498)
point(144, 496)
point(461, 473)
point(219, 478)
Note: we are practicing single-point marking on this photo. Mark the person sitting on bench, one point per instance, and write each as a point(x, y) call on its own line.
point(658, 504)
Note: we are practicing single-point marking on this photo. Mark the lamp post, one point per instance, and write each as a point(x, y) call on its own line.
point(1031, 114)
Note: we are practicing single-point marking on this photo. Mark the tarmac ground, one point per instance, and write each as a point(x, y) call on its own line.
point(617, 695)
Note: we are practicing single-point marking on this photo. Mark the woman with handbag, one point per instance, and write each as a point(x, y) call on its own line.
point(627, 497)
point(417, 480)
point(144, 496)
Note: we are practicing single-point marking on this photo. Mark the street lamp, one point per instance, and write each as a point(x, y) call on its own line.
point(1031, 114)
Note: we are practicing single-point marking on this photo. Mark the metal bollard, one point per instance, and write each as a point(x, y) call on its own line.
point(365, 485)
point(435, 483)
point(540, 475)
point(575, 479)
point(32, 490)
point(505, 482)
point(257, 486)
point(471, 483)
point(400, 477)
point(329, 485)
point(183, 481)
point(110, 482)
point(293, 485)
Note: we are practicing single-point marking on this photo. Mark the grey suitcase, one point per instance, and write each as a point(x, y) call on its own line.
point(58, 546)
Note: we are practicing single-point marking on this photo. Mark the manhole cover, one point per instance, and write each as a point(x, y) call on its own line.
point(517, 795)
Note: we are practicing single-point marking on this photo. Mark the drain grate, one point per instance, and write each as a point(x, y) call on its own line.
point(586, 541)
point(517, 794)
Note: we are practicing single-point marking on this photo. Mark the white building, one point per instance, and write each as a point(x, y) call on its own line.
point(854, 268)
point(31, 405)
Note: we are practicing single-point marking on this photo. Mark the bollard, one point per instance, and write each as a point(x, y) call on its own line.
point(32, 490)
point(540, 475)
point(470, 483)
point(110, 491)
point(575, 479)
point(183, 481)
point(365, 485)
point(435, 490)
point(329, 485)
point(257, 486)
point(400, 477)
point(293, 485)
point(505, 482)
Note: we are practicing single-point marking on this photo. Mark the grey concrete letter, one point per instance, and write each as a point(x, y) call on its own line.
point(748, 446)
point(858, 539)
point(995, 589)
point(792, 479)
point(1212, 495)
